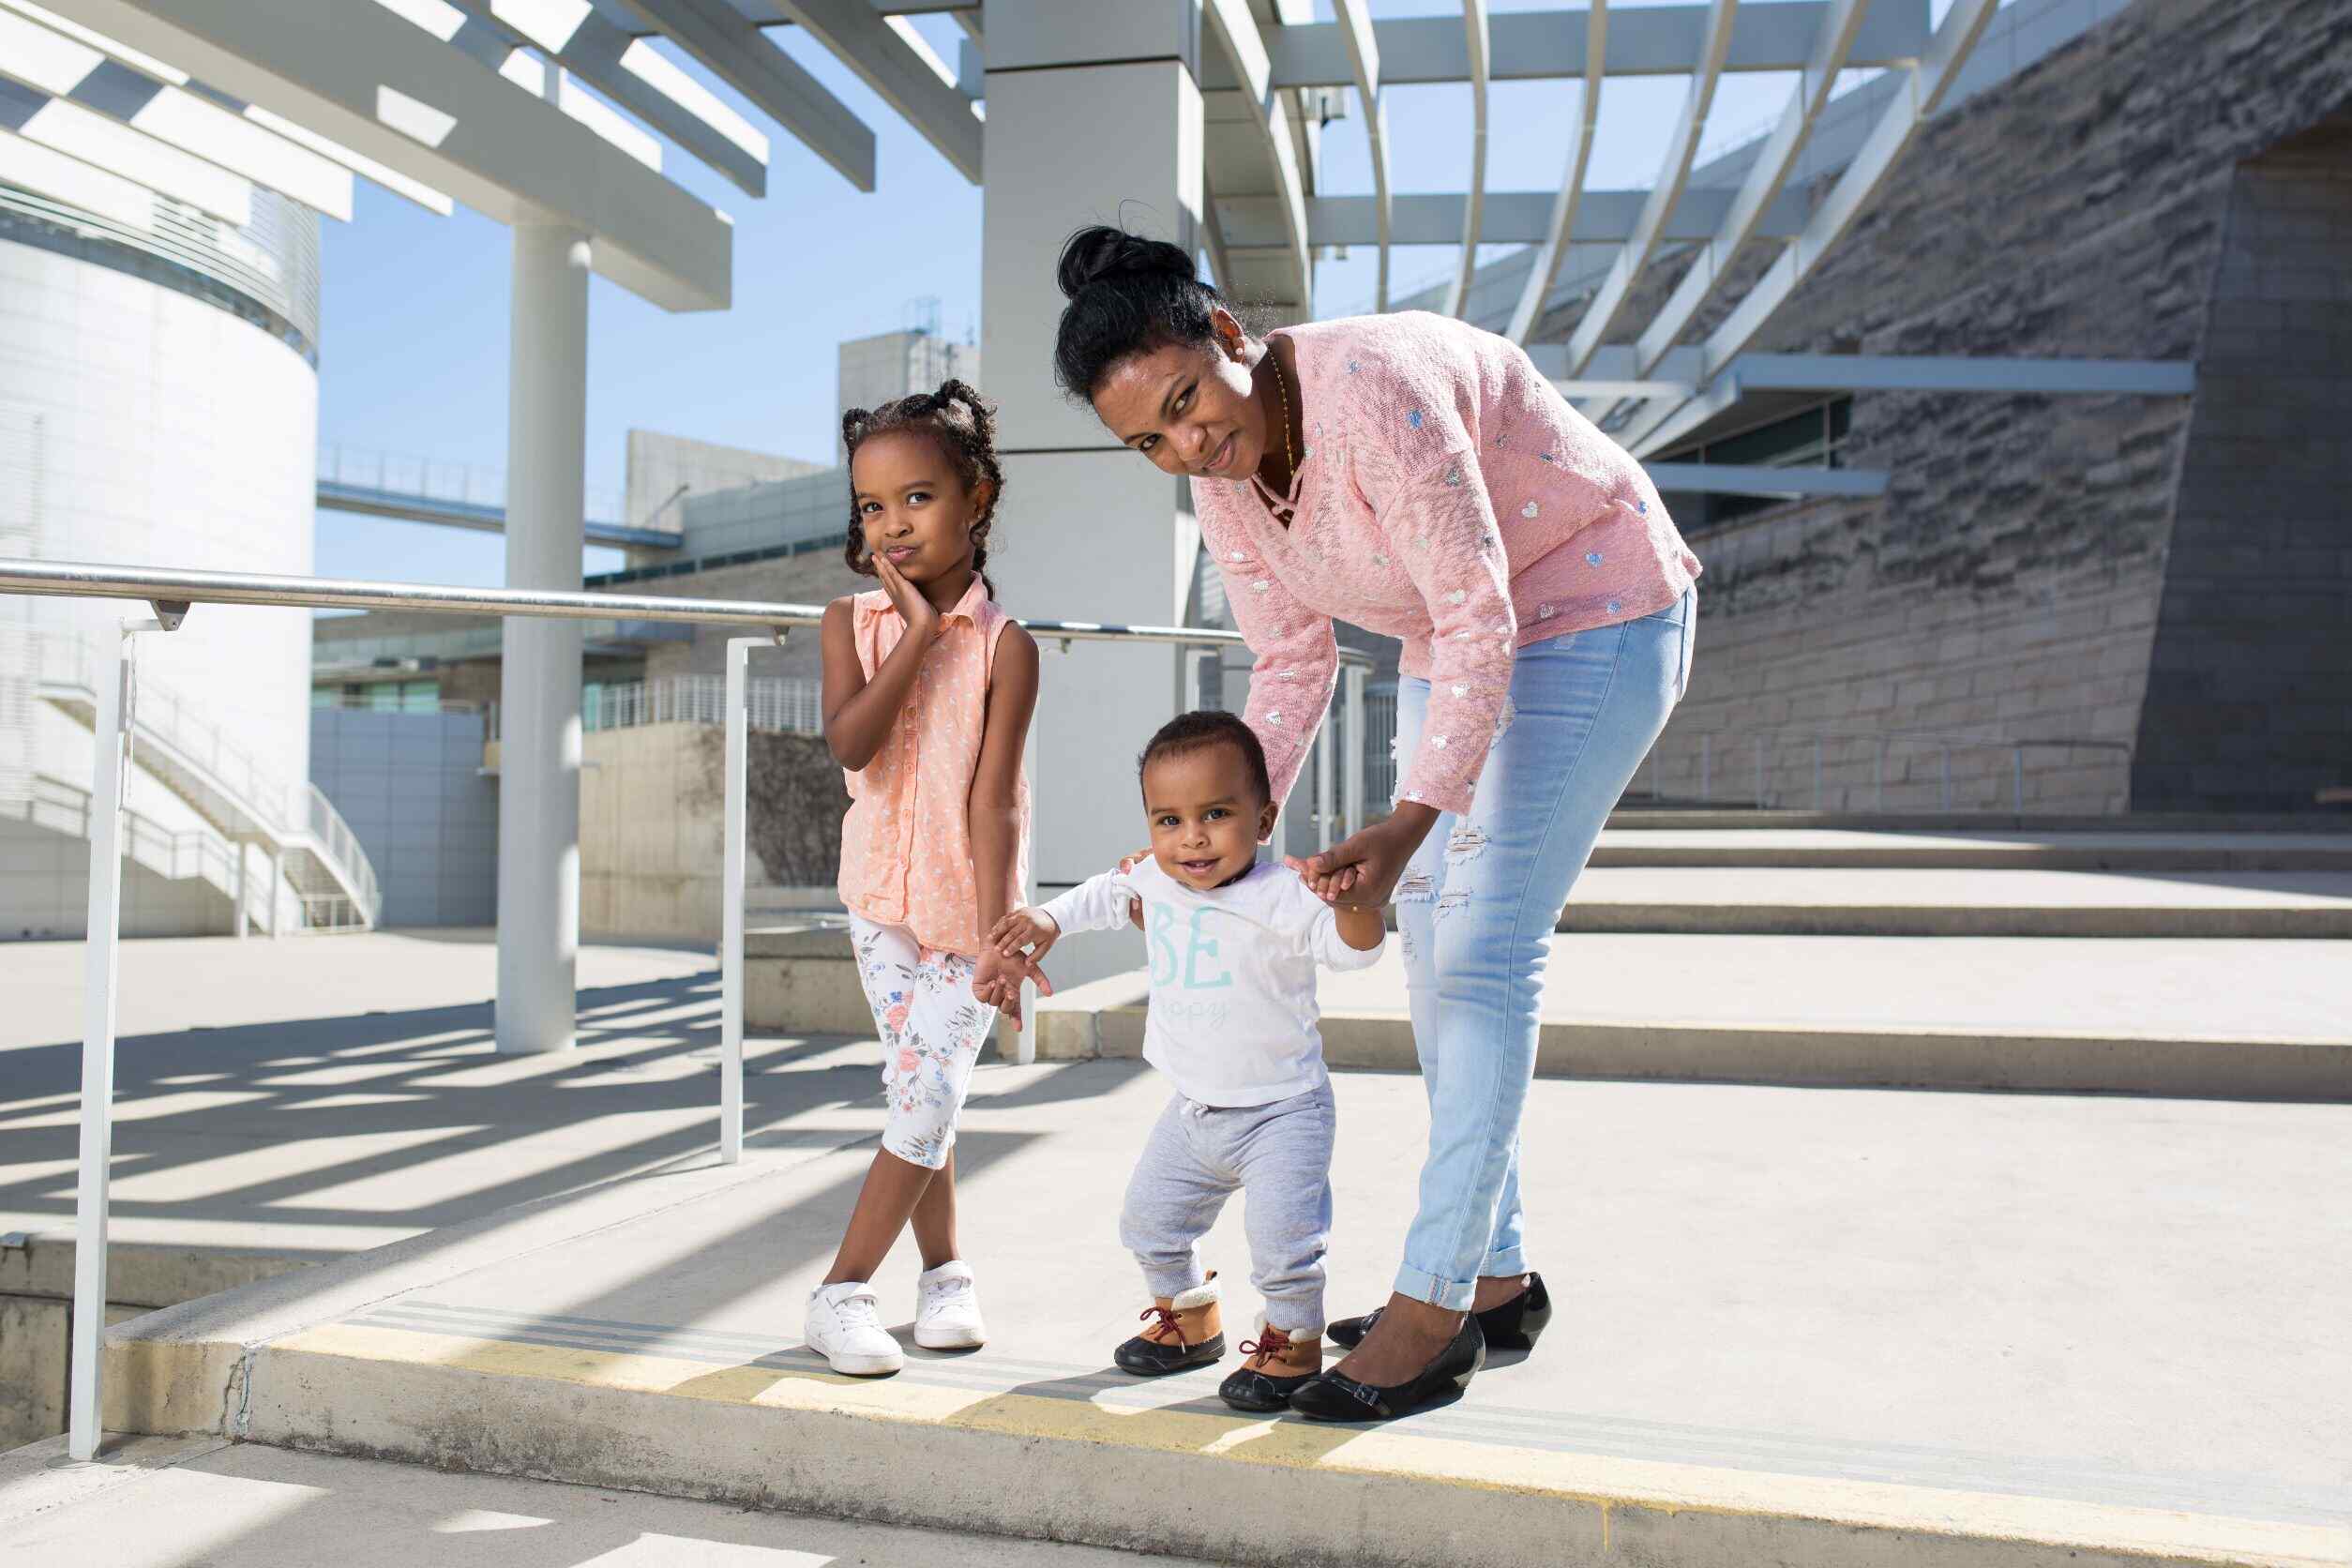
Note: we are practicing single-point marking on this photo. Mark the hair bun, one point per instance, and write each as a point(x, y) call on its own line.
point(1101, 251)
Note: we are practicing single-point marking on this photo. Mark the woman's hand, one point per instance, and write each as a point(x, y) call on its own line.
point(997, 982)
point(1135, 905)
point(921, 615)
point(1026, 932)
point(1363, 868)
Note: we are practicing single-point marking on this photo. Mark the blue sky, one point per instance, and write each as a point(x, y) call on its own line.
point(412, 356)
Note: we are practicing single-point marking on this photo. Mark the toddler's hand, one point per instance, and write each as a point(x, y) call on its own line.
point(1026, 932)
point(997, 982)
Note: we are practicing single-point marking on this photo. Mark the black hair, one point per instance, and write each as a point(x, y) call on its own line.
point(1207, 726)
point(1128, 296)
point(965, 427)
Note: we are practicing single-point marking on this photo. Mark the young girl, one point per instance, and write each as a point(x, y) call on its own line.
point(927, 693)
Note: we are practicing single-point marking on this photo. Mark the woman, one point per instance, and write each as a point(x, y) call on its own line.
point(1419, 477)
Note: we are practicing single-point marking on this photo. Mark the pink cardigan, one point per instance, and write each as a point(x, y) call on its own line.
point(1448, 496)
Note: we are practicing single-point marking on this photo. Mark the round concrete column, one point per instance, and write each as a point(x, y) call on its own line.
point(539, 793)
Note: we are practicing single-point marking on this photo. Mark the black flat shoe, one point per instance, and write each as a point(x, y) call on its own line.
point(1329, 1396)
point(1149, 1358)
point(1513, 1326)
point(1259, 1392)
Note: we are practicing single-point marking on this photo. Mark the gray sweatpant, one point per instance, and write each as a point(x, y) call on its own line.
point(1280, 1154)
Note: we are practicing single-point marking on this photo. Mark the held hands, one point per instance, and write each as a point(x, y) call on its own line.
point(1363, 868)
point(1026, 933)
point(997, 981)
point(921, 615)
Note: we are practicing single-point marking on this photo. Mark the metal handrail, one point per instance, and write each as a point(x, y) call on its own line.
point(166, 587)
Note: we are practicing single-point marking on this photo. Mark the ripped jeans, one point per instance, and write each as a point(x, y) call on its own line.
point(1476, 908)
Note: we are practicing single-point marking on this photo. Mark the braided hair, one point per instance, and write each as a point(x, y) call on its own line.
point(965, 427)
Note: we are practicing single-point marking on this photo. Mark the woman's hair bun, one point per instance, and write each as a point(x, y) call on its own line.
point(1101, 252)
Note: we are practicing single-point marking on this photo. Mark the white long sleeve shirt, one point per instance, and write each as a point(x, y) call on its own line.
point(1232, 1018)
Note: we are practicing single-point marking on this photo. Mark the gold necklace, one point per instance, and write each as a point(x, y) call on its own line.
point(1288, 449)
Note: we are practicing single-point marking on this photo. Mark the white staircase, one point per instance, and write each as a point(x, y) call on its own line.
point(190, 756)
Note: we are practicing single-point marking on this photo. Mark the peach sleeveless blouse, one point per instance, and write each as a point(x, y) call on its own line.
point(906, 845)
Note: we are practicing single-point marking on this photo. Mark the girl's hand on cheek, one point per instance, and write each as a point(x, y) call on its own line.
point(921, 616)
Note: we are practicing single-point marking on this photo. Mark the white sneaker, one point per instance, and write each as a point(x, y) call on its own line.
point(947, 1309)
point(844, 1329)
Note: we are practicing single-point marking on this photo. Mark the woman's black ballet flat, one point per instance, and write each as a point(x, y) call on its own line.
point(1149, 1358)
point(1512, 1326)
point(1517, 1323)
point(1257, 1391)
point(1329, 1396)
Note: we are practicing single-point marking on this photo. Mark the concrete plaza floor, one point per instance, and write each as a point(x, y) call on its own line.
point(164, 1502)
point(2107, 1322)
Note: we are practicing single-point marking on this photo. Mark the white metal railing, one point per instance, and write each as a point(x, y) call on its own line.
point(172, 594)
point(296, 814)
point(783, 704)
point(175, 854)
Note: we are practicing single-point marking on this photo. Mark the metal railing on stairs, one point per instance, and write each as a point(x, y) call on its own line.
point(172, 594)
point(240, 798)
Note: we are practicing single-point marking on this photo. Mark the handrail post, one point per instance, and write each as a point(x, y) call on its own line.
point(731, 975)
point(1352, 766)
point(1324, 804)
point(1945, 751)
point(1706, 769)
point(101, 945)
point(1759, 770)
point(1879, 779)
point(2017, 778)
point(1816, 773)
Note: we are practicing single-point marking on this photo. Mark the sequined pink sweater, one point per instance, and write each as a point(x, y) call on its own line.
point(1447, 495)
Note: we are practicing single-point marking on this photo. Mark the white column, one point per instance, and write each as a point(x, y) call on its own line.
point(1095, 114)
point(539, 787)
point(277, 891)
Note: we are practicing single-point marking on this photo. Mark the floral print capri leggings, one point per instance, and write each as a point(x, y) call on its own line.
point(932, 1032)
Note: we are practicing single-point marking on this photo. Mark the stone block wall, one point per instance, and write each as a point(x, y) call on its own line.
point(2010, 582)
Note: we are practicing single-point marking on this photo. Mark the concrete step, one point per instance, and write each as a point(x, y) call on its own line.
point(1928, 901)
point(1713, 1405)
point(2197, 1017)
point(1856, 848)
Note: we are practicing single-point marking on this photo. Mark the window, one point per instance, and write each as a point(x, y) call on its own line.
point(1811, 437)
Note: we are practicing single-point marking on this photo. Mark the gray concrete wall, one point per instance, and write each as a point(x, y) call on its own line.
point(2011, 580)
point(411, 786)
point(2250, 691)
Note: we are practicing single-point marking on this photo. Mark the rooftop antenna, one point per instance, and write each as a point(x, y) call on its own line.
point(920, 315)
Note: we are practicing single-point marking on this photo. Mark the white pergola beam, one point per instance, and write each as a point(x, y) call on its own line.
point(1362, 42)
point(394, 93)
point(1674, 173)
point(87, 71)
point(1560, 227)
point(1235, 28)
point(1919, 94)
point(1648, 40)
point(731, 47)
point(1477, 43)
point(1875, 372)
point(1766, 178)
point(862, 40)
point(435, 201)
point(102, 141)
point(627, 71)
point(1786, 483)
point(1511, 217)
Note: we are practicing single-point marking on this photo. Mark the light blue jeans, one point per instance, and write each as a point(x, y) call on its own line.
point(1476, 908)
